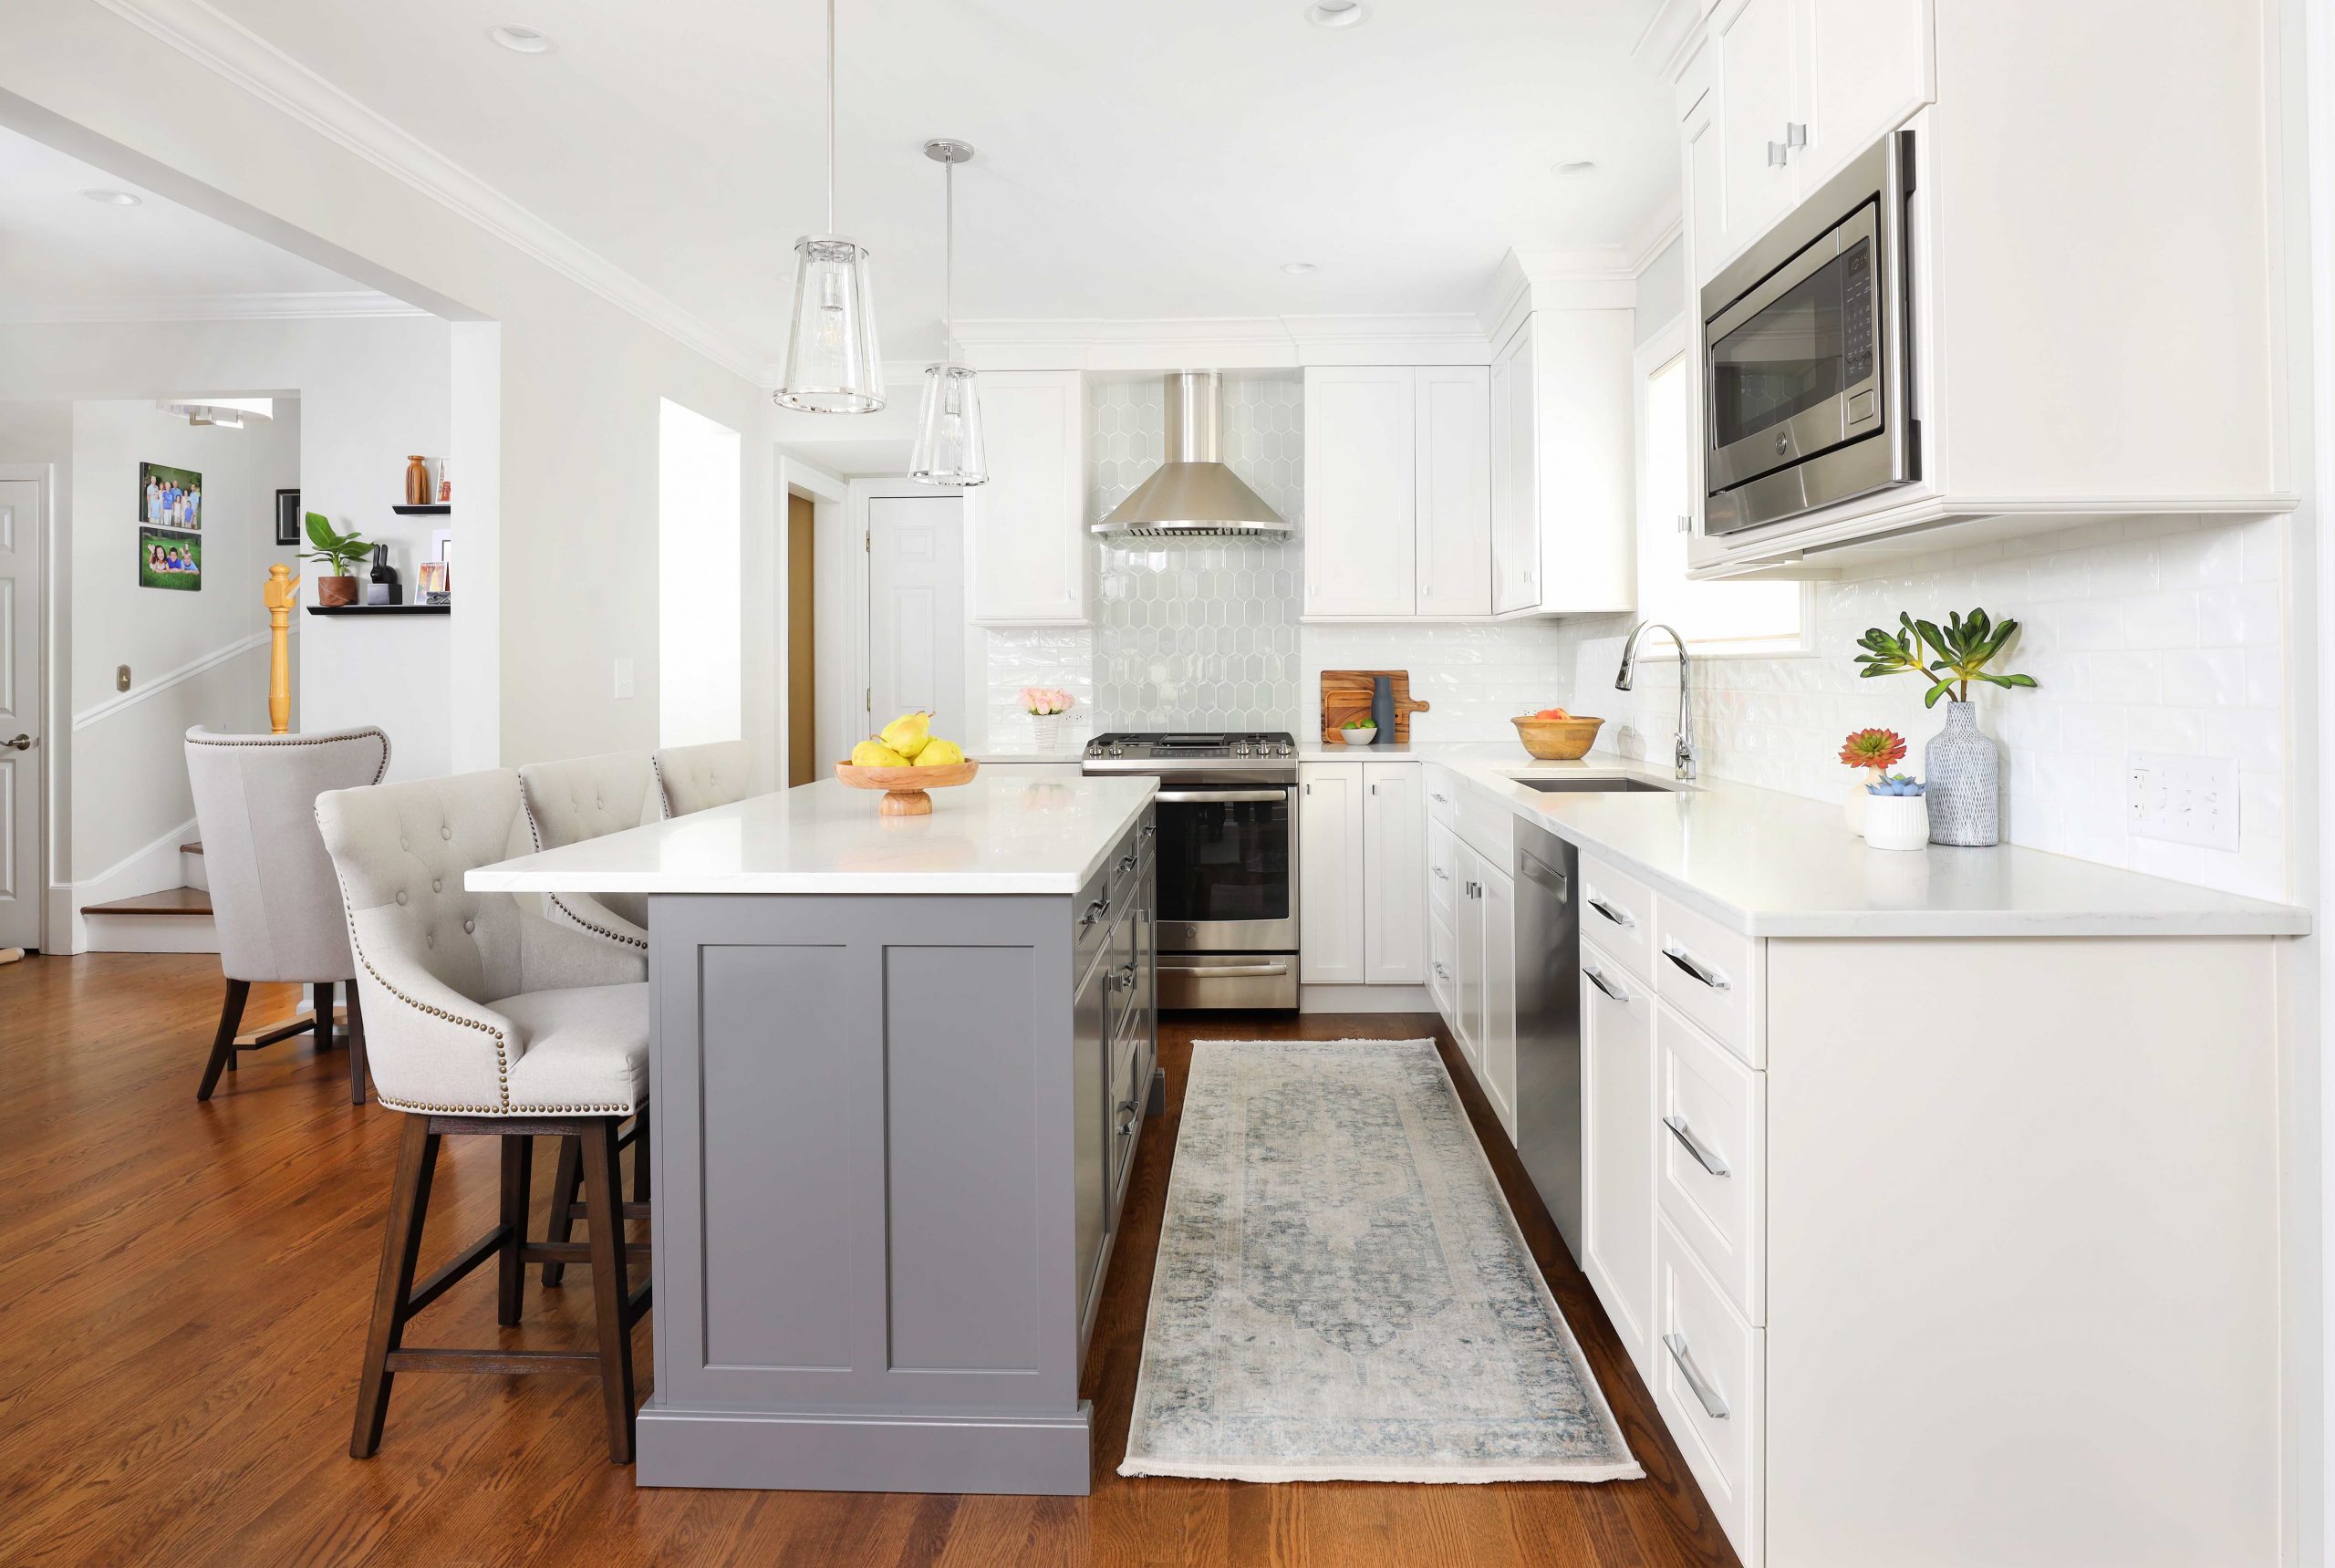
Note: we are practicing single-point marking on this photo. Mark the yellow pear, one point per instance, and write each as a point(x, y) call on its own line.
point(939, 754)
point(876, 754)
point(907, 733)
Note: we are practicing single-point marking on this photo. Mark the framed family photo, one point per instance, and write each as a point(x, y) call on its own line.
point(169, 498)
point(170, 560)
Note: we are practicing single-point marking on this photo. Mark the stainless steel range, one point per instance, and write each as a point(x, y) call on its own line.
point(1227, 859)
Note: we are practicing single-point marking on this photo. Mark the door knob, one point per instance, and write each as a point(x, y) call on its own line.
point(21, 744)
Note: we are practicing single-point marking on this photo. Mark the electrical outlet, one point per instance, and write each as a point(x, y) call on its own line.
point(2182, 800)
point(622, 682)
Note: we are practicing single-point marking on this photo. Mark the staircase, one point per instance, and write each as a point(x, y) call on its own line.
point(174, 920)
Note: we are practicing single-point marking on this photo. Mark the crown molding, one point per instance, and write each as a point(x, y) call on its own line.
point(1594, 277)
point(1669, 35)
point(308, 306)
point(1224, 343)
point(1660, 230)
point(204, 34)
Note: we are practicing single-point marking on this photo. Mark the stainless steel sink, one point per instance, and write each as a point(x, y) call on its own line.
point(1597, 786)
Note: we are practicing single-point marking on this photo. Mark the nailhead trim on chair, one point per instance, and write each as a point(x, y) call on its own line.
point(536, 837)
point(664, 796)
point(380, 735)
point(502, 1057)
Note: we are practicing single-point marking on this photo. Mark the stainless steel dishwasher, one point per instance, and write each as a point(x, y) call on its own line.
point(1548, 1024)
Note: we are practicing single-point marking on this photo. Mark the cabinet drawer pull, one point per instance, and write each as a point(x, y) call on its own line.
point(1438, 797)
point(1120, 978)
point(1597, 979)
point(1442, 972)
point(1620, 918)
point(1440, 872)
point(1777, 153)
point(1126, 1118)
point(1094, 911)
point(1128, 861)
point(1713, 1406)
point(1714, 1163)
point(1795, 133)
point(1687, 961)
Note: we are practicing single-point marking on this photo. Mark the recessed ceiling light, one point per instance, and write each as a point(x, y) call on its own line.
point(1577, 166)
point(1336, 13)
point(115, 198)
point(521, 41)
point(1299, 268)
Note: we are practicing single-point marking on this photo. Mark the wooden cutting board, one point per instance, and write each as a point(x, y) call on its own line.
point(1345, 694)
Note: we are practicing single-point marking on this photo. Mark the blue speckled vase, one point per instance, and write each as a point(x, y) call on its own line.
point(1962, 780)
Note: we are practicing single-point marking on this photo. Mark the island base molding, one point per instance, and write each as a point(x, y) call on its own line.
point(1037, 1456)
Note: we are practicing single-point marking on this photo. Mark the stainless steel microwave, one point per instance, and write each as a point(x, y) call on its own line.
point(1807, 354)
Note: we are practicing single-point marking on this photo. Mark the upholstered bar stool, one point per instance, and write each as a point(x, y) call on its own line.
point(698, 778)
point(273, 895)
point(568, 802)
point(488, 1020)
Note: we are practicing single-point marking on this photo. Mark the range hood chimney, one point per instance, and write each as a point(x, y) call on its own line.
point(1193, 494)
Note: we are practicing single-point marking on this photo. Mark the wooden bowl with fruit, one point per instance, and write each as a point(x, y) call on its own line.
point(1553, 735)
point(905, 760)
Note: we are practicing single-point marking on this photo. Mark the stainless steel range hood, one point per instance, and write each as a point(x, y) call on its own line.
point(1193, 494)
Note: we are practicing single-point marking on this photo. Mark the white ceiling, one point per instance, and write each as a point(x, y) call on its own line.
point(62, 253)
point(1136, 159)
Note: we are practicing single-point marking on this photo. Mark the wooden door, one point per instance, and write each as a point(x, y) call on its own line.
point(916, 610)
point(802, 761)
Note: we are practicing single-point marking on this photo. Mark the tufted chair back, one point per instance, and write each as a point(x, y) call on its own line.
point(587, 797)
point(273, 895)
point(698, 778)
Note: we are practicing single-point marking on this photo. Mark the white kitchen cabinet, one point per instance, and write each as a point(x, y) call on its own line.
point(1332, 908)
point(1025, 535)
point(1755, 64)
point(1868, 65)
point(1564, 443)
point(1484, 957)
point(1394, 874)
point(1361, 492)
point(1453, 429)
point(1618, 1130)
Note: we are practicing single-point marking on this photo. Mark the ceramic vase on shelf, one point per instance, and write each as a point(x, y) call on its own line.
point(1045, 733)
point(417, 482)
point(1962, 772)
point(1853, 808)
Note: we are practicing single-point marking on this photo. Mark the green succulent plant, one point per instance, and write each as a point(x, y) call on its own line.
point(1963, 648)
point(338, 550)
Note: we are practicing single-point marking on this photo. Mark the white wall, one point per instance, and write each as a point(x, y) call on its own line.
point(700, 656)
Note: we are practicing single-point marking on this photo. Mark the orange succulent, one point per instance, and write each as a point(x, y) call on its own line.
point(1874, 748)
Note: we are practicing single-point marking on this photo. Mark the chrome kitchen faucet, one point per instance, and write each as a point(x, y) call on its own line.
point(1684, 760)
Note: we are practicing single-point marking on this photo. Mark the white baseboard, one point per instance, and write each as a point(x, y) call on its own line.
point(152, 868)
point(1364, 999)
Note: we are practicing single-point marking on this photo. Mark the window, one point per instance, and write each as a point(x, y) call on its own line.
point(1737, 617)
point(701, 652)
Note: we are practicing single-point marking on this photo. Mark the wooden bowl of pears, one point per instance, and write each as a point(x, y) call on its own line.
point(905, 760)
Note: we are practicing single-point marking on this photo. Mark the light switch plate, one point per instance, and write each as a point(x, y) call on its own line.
point(622, 682)
point(2182, 800)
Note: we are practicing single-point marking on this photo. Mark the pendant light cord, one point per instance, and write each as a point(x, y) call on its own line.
point(949, 267)
point(831, 116)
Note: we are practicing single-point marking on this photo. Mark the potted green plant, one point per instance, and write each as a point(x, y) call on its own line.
point(336, 550)
point(1963, 770)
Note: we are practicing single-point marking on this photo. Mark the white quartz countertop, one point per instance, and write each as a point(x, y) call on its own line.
point(1011, 830)
point(1775, 864)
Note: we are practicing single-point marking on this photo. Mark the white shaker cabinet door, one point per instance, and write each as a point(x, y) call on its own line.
point(1394, 874)
point(1516, 476)
point(1758, 101)
point(1617, 1100)
point(1330, 848)
point(1454, 490)
point(1870, 68)
point(1361, 537)
point(1497, 1067)
point(1025, 528)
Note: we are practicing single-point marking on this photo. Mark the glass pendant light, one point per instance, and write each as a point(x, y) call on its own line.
point(949, 424)
point(833, 363)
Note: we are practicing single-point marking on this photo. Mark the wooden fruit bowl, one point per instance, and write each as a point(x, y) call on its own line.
point(904, 788)
point(1557, 740)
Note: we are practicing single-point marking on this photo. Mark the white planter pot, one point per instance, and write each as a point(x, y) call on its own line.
point(1045, 733)
point(1896, 822)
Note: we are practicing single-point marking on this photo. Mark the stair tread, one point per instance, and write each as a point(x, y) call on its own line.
point(169, 901)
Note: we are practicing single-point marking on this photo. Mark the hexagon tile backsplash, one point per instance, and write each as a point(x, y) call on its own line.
point(1200, 635)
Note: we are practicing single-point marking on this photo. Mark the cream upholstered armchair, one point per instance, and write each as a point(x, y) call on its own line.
point(487, 1018)
point(698, 778)
point(272, 895)
point(588, 797)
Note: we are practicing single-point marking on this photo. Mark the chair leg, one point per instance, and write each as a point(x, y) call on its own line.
point(400, 1248)
point(511, 1269)
point(611, 1286)
point(356, 1049)
point(566, 1187)
point(640, 1157)
point(222, 1043)
point(321, 1009)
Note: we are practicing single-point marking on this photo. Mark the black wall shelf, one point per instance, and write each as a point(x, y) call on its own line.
point(435, 509)
point(380, 609)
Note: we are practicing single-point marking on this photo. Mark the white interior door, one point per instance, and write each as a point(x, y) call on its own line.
point(20, 705)
point(916, 610)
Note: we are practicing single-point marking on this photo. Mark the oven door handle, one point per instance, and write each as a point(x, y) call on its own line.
point(1220, 796)
point(1225, 971)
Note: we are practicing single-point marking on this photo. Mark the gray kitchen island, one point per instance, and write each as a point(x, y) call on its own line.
point(898, 1068)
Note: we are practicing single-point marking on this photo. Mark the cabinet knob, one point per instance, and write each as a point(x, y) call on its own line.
point(1777, 153)
point(1795, 133)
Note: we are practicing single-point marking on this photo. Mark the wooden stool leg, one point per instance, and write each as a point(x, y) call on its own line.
point(511, 1269)
point(321, 1009)
point(604, 1213)
point(400, 1248)
point(566, 1187)
point(223, 1044)
point(356, 1049)
point(640, 1157)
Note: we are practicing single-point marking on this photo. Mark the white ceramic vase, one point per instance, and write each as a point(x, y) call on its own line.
point(1045, 733)
point(1896, 822)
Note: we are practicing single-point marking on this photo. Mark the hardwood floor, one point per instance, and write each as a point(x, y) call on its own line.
point(183, 1296)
